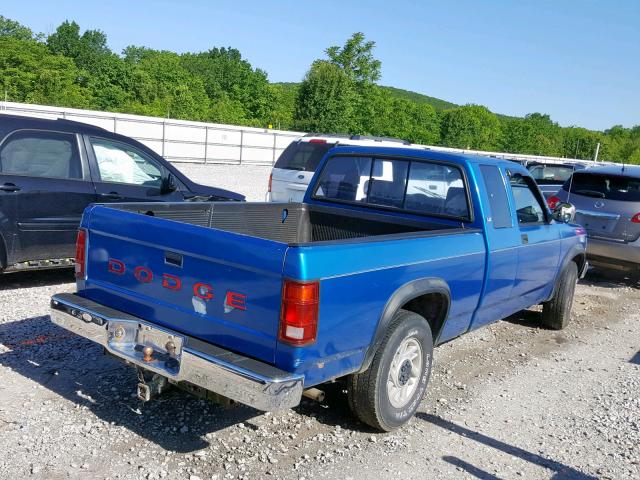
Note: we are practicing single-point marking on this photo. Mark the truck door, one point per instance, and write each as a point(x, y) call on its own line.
point(43, 182)
point(125, 173)
point(539, 251)
point(503, 241)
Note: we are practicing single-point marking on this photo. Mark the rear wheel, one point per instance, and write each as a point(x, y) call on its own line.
point(556, 313)
point(388, 394)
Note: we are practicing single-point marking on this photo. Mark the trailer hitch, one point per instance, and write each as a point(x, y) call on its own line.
point(152, 386)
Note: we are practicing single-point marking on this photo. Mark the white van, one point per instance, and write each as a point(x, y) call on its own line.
point(295, 167)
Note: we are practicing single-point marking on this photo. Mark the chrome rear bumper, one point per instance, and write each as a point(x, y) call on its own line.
point(186, 359)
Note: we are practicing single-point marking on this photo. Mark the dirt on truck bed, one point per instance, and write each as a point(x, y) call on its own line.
point(512, 400)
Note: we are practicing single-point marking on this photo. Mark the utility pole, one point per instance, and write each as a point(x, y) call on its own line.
point(595, 157)
point(577, 145)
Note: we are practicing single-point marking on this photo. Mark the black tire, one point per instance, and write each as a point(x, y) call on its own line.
point(556, 313)
point(367, 391)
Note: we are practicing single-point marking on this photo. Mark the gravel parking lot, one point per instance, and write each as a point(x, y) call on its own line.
point(249, 180)
point(509, 401)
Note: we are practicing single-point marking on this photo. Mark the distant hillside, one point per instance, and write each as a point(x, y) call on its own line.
point(436, 103)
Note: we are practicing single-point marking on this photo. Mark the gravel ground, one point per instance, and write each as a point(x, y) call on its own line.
point(249, 180)
point(508, 401)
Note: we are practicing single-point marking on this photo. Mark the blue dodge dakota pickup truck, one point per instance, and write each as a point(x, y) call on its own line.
point(392, 252)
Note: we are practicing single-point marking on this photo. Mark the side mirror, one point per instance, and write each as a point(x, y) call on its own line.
point(168, 184)
point(564, 212)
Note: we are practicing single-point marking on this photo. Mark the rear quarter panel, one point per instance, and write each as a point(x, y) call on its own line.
point(359, 277)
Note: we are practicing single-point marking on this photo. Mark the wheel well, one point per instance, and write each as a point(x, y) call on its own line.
point(579, 260)
point(433, 307)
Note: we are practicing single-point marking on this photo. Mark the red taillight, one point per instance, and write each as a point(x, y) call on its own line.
point(81, 249)
point(317, 140)
point(636, 218)
point(270, 181)
point(299, 312)
point(553, 202)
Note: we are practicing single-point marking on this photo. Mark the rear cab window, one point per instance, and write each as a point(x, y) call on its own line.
point(415, 186)
point(605, 186)
point(303, 155)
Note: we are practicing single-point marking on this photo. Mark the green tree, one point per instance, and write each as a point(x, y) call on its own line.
point(13, 29)
point(535, 134)
point(372, 110)
point(580, 142)
point(85, 49)
point(471, 127)
point(325, 101)
point(227, 76)
point(415, 122)
point(166, 88)
point(356, 59)
point(33, 75)
point(283, 104)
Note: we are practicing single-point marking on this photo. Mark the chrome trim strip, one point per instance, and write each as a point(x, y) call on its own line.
point(591, 213)
point(220, 375)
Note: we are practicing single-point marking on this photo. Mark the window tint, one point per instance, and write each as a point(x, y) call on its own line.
point(500, 211)
point(387, 184)
point(528, 208)
point(411, 185)
point(302, 156)
point(550, 174)
point(121, 163)
point(41, 154)
point(435, 188)
point(345, 178)
point(611, 187)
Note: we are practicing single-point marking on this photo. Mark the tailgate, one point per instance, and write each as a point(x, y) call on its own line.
point(218, 286)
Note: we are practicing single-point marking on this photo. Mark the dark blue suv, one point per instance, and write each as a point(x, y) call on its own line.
point(50, 170)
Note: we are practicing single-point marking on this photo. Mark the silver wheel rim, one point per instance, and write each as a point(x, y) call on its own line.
point(404, 372)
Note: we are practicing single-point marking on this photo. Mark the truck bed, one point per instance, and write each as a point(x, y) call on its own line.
point(291, 223)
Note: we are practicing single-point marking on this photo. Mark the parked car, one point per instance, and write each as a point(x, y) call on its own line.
point(262, 302)
point(296, 165)
point(50, 170)
point(551, 176)
point(607, 201)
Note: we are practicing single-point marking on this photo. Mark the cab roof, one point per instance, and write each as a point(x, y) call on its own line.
point(16, 122)
point(427, 154)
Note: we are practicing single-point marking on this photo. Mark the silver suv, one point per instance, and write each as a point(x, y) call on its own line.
point(607, 201)
point(296, 165)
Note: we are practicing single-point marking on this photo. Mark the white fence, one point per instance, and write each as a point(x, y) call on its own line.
point(177, 140)
point(199, 142)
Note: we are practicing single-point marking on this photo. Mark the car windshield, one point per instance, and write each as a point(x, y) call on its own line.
point(600, 185)
point(550, 174)
point(303, 156)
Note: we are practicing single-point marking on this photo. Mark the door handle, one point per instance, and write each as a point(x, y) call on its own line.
point(111, 196)
point(525, 238)
point(9, 187)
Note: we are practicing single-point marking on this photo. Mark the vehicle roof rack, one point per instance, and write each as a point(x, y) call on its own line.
point(359, 137)
point(338, 135)
point(380, 139)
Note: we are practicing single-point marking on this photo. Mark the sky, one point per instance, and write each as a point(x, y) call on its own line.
point(577, 60)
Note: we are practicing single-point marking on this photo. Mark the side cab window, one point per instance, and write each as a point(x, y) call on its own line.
point(43, 154)
point(528, 204)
